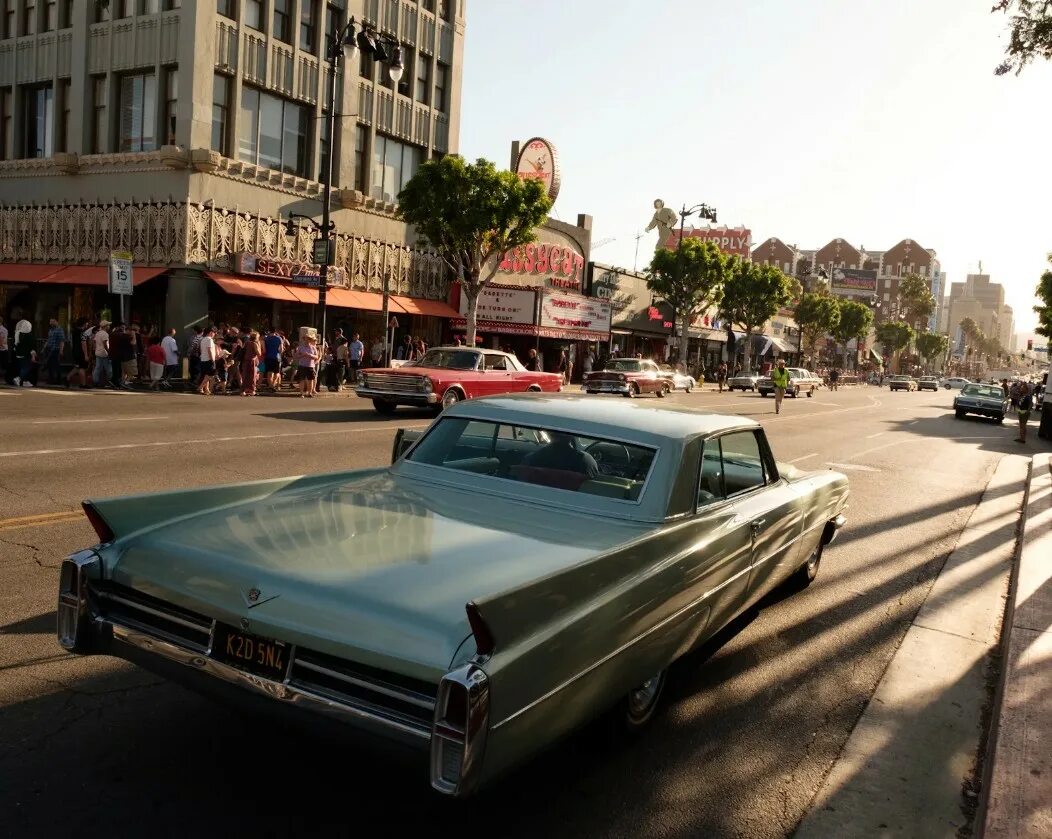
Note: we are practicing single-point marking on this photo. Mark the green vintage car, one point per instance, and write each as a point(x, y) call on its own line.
point(526, 564)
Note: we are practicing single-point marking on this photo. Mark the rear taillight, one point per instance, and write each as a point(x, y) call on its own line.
point(105, 533)
point(73, 624)
point(458, 736)
point(484, 642)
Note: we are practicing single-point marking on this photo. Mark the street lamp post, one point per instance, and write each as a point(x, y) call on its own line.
point(704, 211)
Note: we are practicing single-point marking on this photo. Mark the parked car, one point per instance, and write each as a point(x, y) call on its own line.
point(525, 565)
point(984, 400)
point(928, 383)
point(680, 381)
point(447, 375)
point(901, 382)
point(955, 383)
point(743, 382)
point(800, 381)
point(629, 377)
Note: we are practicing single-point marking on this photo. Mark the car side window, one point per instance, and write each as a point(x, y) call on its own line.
point(742, 460)
point(710, 480)
point(496, 362)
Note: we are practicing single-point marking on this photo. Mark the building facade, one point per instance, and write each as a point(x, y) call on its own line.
point(984, 302)
point(187, 133)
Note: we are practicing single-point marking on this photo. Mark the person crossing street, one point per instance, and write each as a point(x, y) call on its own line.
point(780, 379)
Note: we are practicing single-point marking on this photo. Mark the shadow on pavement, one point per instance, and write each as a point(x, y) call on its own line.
point(985, 434)
point(37, 625)
point(350, 416)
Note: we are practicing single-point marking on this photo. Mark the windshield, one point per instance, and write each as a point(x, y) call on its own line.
point(625, 365)
point(928, 379)
point(521, 454)
point(983, 390)
point(451, 359)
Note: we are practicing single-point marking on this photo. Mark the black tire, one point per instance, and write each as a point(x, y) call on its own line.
point(806, 573)
point(1001, 419)
point(959, 414)
point(633, 390)
point(664, 391)
point(639, 706)
point(763, 394)
point(793, 393)
point(385, 408)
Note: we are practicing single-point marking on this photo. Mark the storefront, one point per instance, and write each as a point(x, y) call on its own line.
point(641, 325)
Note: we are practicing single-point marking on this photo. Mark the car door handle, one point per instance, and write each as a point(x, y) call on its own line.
point(757, 524)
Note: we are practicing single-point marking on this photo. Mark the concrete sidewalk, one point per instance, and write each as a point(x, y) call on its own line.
point(910, 766)
point(1019, 785)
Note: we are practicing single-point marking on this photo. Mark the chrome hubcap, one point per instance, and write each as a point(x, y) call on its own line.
point(450, 399)
point(640, 699)
point(812, 563)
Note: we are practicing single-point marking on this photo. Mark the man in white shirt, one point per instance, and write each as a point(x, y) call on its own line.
point(171, 356)
point(4, 360)
point(208, 361)
point(103, 375)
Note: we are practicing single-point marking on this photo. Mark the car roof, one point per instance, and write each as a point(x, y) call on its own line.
point(648, 421)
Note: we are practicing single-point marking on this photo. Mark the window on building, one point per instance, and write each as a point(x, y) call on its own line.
point(65, 14)
point(254, 14)
point(441, 87)
point(227, 8)
point(6, 124)
point(221, 114)
point(274, 132)
point(333, 23)
point(99, 100)
point(366, 65)
point(405, 84)
point(171, 5)
point(446, 9)
point(38, 121)
point(429, 5)
point(50, 23)
point(282, 28)
point(423, 79)
point(309, 25)
point(138, 113)
point(361, 159)
point(9, 30)
point(29, 17)
point(102, 12)
point(171, 98)
point(149, 7)
point(65, 132)
point(394, 164)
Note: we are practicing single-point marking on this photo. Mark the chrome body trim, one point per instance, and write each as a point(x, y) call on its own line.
point(116, 598)
point(401, 696)
point(406, 397)
point(471, 737)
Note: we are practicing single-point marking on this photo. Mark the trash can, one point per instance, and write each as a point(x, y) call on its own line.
point(1044, 430)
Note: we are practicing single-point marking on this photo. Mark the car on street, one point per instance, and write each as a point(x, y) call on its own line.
point(447, 375)
point(680, 381)
point(955, 383)
point(902, 382)
point(984, 400)
point(800, 381)
point(743, 382)
point(928, 383)
point(525, 565)
point(628, 377)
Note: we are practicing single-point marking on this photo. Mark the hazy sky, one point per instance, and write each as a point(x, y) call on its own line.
point(870, 120)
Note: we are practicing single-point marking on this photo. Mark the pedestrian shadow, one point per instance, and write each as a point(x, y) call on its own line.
point(984, 433)
point(43, 624)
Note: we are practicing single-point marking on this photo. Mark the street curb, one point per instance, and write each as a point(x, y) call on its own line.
point(906, 769)
point(1017, 783)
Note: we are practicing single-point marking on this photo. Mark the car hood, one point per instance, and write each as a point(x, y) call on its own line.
point(372, 569)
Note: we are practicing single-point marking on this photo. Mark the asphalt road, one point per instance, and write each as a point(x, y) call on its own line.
point(751, 723)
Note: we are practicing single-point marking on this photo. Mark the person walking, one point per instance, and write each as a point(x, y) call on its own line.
point(307, 366)
point(250, 356)
point(780, 380)
point(834, 378)
point(100, 345)
point(209, 353)
point(342, 362)
point(1023, 399)
point(54, 349)
point(376, 352)
point(171, 357)
point(5, 362)
point(355, 356)
point(78, 375)
point(589, 361)
point(533, 364)
point(272, 347)
point(193, 355)
point(155, 357)
point(25, 353)
point(721, 375)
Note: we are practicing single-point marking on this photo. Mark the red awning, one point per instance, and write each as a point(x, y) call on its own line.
point(254, 288)
point(532, 330)
point(97, 275)
point(427, 308)
point(367, 301)
point(22, 273)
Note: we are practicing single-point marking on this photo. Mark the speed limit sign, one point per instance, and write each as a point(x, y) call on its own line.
point(121, 272)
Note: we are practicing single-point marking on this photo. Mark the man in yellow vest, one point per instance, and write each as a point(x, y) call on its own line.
point(780, 379)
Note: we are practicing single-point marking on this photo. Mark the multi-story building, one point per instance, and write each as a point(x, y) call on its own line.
point(187, 133)
point(984, 302)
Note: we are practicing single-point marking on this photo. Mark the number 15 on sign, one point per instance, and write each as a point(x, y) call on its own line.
point(120, 273)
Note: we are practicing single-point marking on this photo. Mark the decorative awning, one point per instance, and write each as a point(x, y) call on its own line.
point(23, 273)
point(98, 275)
point(254, 288)
point(366, 301)
point(426, 308)
point(532, 330)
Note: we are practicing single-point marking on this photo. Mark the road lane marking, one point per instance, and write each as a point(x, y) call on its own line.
point(208, 440)
point(854, 467)
point(111, 419)
point(803, 457)
point(871, 436)
point(41, 519)
point(53, 392)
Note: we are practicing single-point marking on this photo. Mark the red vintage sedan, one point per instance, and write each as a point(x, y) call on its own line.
point(629, 377)
point(446, 375)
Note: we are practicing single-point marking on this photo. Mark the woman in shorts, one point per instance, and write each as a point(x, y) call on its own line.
point(307, 366)
point(155, 357)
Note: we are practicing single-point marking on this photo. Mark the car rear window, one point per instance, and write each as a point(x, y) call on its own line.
point(543, 457)
point(983, 390)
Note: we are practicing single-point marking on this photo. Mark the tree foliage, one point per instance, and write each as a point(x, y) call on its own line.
point(1044, 311)
point(690, 279)
point(855, 321)
point(752, 295)
point(916, 301)
point(472, 214)
point(932, 346)
point(817, 314)
point(1030, 29)
point(895, 335)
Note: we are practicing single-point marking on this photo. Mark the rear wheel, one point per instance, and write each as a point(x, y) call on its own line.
point(640, 705)
point(806, 573)
point(385, 408)
point(664, 391)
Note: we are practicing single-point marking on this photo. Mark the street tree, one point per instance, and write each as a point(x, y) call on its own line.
point(1043, 292)
point(1030, 31)
point(854, 324)
point(894, 336)
point(916, 301)
point(472, 214)
point(752, 295)
point(932, 346)
point(690, 279)
point(817, 314)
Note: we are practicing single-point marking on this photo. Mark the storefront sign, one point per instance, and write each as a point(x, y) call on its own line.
point(853, 281)
point(564, 265)
point(503, 305)
point(731, 240)
point(539, 160)
point(259, 266)
point(605, 284)
point(570, 311)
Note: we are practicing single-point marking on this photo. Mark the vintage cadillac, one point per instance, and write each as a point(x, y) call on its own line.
point(447, 375)
point(629, 377)
point(525, 565)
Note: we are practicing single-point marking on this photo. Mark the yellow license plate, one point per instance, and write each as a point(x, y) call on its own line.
point(261, 656)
